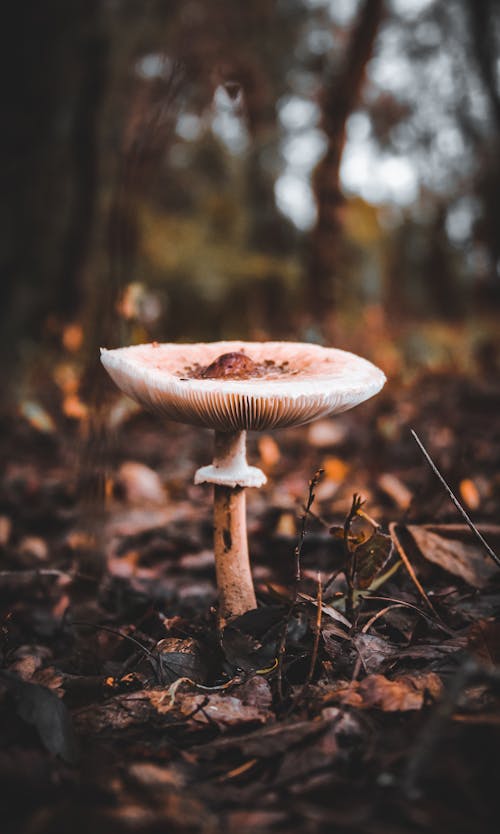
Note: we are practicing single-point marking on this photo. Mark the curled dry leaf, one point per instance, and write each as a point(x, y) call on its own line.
point(408, 692)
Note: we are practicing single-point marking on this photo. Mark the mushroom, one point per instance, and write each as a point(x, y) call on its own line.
point(232, 387)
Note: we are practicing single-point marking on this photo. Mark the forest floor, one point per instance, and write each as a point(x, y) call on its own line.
point(381, 715)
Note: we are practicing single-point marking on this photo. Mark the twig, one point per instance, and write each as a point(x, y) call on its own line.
point(383, 611)
point(436, 623)
point(316, 517)
point(298, 555)
point(314, 654)
point(317, 632)
point(313, 483)
point(491, 553)
point(350, 568)
point(331, 579)
point(114, 631)
point(409, 567)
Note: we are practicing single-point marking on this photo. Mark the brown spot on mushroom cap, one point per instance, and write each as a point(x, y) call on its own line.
point(313, 381)
point(231, 365)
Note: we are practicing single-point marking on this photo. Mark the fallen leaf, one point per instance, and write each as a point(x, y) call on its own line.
point(72, 337)
point(224, 710)
point(265, 742)
point(469, 494)
point(484, 642)
point(74, 408)
point(371, 556)
point(160, 708)
point(39, 706)
point(408, 692)
point(140, 485)
point(328, 610)
point(269, 451)
point(153, 776)
point(250, 642)
point(32, 550)
point(396, 490)
point(455, 549)
point(287, 524)
point(326, 433)
point(374, 652)
point(5, 530)
point(37, 417)
point(180, 658)
point(255, 692)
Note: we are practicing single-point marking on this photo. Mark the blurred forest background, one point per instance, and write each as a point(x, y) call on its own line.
point(325, 170)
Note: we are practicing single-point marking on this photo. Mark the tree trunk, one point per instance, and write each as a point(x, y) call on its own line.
point(340, 96)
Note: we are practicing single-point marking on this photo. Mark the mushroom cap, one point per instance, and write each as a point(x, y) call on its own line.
point(304, 382)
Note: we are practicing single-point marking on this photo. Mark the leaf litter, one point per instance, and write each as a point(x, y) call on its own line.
point(337, 701)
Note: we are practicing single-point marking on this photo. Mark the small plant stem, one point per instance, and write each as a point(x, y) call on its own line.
point(317, 632)
point(350, 569)
point(297, 555)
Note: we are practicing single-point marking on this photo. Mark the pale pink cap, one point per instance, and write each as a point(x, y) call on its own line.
point(306, 382)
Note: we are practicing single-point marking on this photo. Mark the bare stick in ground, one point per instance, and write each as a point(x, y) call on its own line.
point(455, 500)
point(313, 483)
point(350, 555)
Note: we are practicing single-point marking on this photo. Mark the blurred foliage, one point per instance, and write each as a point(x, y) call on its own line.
point(163, 174)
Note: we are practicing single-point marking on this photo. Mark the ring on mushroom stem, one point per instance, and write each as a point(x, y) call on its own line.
point(233, 387)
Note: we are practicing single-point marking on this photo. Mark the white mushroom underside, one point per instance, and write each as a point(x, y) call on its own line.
point(317, 381)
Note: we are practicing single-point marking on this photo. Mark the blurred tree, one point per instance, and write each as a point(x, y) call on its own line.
point(340, 95)
point(54, 75)
point(154, 156)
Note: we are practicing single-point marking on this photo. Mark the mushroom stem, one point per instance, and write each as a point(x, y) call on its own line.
point(230, 450)
point(232, 565)
point(230, 467)
point(230, 474)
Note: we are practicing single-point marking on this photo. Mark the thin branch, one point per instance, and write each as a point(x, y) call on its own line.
point(298, 555)
point(317, 632)
point(491, 553)
point(409, 567)
point(79, 624)
point(313, 483)
point(436, 623)
point(350, 568)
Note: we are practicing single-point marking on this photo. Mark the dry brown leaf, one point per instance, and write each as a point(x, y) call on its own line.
point(161, 706)
point(326, 433)
point(140, 485)
point(223, 709)
point(155, 776)
point(484, 642)
point(335, 469)
point(407, 692)
point(5, 530)
point(455, 549)
point(396, 490)
point(269, 451)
